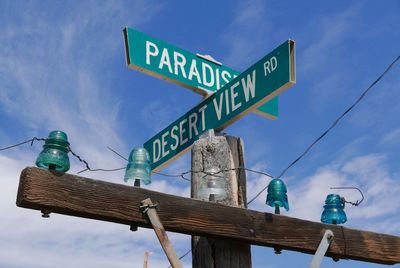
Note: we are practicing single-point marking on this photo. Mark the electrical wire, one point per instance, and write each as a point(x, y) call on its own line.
point(115, 152)
point(182, 175)
point(358, 202)
point(101, 169)
point(330, 128)
point(22, 143)
point(81, 160)
point(88, 168)
point(339, 118)
point(305, 152)
point(183, 256)
point(69, 149)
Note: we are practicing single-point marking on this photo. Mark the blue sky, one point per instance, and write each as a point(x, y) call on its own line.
point(62, 66)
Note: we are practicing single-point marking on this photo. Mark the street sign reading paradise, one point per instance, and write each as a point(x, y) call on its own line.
point(266, 79)
point(165, 61)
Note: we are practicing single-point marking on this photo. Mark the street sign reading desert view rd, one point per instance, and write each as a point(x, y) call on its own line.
point(266, 79)
point(197, 73)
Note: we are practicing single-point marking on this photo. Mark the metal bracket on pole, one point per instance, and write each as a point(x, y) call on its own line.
point(322, 248)
point(149, 209)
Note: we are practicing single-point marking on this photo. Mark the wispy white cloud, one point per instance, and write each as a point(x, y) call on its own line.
point(331, 30)
point(323, 55)
point(244, 36)
point(391, 138)
point(369, 172)
point(381, 188)
point(60, 239)
point(55, 68)
point(256, 182)
point(337, 73)
point(165, 186)
point(58, 78)
point(307, 197)
point(49, 80)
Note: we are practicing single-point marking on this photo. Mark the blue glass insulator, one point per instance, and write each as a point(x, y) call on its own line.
point(54, 155)
point(277, 196)
point(334, 210)
point(138, 167)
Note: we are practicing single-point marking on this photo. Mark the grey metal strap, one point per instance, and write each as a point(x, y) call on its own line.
point(322, 248)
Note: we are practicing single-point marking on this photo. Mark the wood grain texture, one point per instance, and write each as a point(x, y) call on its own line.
point(223, 153)
point(94, 199)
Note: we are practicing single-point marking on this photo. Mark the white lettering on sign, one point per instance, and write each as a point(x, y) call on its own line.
point(226, 76)
point(163, 144)
point(156, 153)
point(165, 60)
point(182, 130)
point(233, 97)
point(224, 103)
point(192, 125)
point(204, 67)
point(218, 108)
point(270, 65)
point(149, 52)
point(171, 140)
point(227, 102)
point(175, 137)
point(194, 72)
point(217, 79)
point(176, 63)
point(180, 62)
point(203, 118)
point(248, 86)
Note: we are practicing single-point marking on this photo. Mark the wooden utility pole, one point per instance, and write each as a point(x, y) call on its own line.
point(224, 153)
point(146, 259)
point(72, 195)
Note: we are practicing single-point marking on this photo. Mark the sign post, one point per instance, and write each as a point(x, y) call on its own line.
point(195, 72)
point(266, 79)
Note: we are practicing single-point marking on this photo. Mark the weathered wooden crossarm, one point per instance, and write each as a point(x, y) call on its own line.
point(77, 196)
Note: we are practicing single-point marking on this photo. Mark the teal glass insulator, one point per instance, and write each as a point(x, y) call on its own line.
point(54, 155)
point(277, 196)
point(138, 167)
point(334, 210)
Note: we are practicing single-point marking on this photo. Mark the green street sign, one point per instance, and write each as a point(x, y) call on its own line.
point(195, 72)
point(266, 79)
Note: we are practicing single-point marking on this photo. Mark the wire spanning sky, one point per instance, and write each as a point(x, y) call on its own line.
point(62, 66)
